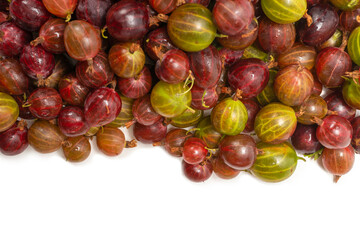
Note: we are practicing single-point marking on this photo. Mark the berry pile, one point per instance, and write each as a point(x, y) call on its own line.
point(240, 82)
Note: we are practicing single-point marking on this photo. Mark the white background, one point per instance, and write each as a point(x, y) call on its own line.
point(142, 194)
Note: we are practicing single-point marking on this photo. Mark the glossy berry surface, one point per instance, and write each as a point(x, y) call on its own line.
point(143, 111)
point(284, 11)
point(127, 20)
point(37, 62)
point(174, 141)
point(238, 152)
point(30, 15)
point(184, 24)
point(173, 67)
point(338, 161)
point(304, 139)
point(276, 163)
point(248, 75)
point(99, 74)
point(14, 140)
point(275, 123)
point(136, 87)
point(110, 141)
point(13, 80)
point(102, 107)
point(93, 11)
point(231, 17)
point(355, 142)
point(194, 151)
point(72, 122)
point(76, 149)
point(222, 170)
point(45, 137)
point(12, 39)
point(45, 103)
point(150, 134)
point(252, 109)
point(334, 132)
point(82, 40)
point(208, 133)
point(72, 91)
point(206, 66)
point(197, 172)
point(336, 103)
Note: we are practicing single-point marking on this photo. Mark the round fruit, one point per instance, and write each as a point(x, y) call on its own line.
point(275, 163)
point(243, 39)
point(9, 111)
point(206, 66)
point(188, 118)
point(158, 41)
point(198, 172)
point(252, 109)
point(314, 106)
point(45, 137)
point(194, 151)
point(304, 139)
point(110, 141)
point(334, 132)
point(72, 90)
point(346, 5)
point(293, 85)
point(100, 73)
point(126, 59)
point(102, 107)
point(61, 8)
point(232, 16)
point(12, 39)
point(174, 141)
point(143, 111)
point(203, 99)
point(45, 103)
point(150, 134)
point(82, 40)
point(338, 161)
point(36, 62)
point(72, 122)
point(190, 27)
point(136, 87)
point(324, 23)
point(239, 152)
point(336, 103)
point(222, 170)
point(51, 36)
point(276, 38)
point(349, 20)
point(173, 67)
point(331, 65)
point(229, 116)
point(93, 11)
point(275, 123)
point(30, 15)
point(299, 53)
point(14, 140)
point(284, 11)
point(353, 45)
point(170, 100)
point(207, 133)
point(127, 20)
point(12, 78)
point(76, 149)
point(248, 75)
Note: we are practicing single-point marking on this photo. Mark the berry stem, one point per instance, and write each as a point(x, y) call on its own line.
point(317, 120)
point(129, 124)
point(308, 18)
point(237, 95)
point(131, 144)
point(103, 30)
point(37, 41)
point(314, 155)
point(344, 41)
point(336, 178)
